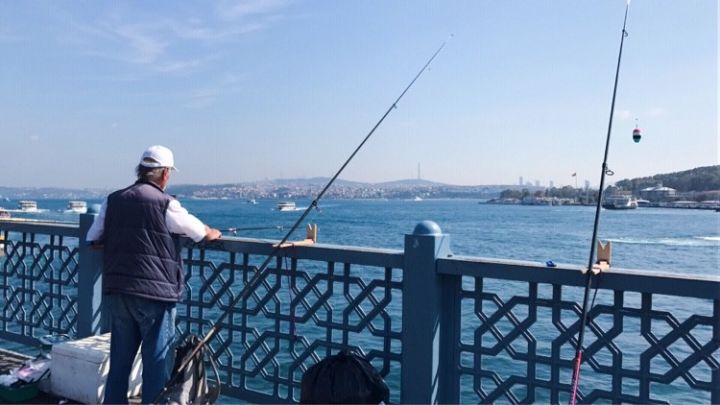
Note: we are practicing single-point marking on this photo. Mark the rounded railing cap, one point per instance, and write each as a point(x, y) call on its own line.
point(427, 227)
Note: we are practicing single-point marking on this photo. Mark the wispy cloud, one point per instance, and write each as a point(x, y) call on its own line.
point(182, 66)
point(146, 47)
point(161, 43)
point(208, 95)
point(203, 98)
point(212, 34)
point(233, 10)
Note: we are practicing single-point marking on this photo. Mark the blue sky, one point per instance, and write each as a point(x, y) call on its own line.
point(250, 90)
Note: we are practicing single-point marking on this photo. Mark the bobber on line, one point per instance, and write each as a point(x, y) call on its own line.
point(637, 134)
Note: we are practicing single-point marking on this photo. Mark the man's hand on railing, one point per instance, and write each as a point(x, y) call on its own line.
point(211, 234)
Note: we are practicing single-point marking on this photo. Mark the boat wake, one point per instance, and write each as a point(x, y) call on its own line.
point(696, 241)
point(292, 209)
point(36, 211)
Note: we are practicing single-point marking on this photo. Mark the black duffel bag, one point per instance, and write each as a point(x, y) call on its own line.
point(343, 378)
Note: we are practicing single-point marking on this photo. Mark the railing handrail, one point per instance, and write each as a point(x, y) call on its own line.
point(322, 252)
point(642, 281)
point(338, 253)
point(685, 285)
point(40, 226)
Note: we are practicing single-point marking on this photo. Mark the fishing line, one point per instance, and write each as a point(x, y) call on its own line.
point(235, 230)
point(261, 272)
point(605, 171)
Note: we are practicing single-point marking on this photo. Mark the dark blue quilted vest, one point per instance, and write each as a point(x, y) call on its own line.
point(141, 257)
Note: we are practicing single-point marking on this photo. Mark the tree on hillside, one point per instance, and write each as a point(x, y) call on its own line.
point(511, 194)
point(699, 179)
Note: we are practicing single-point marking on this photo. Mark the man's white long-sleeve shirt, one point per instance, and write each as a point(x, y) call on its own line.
point(177, 219)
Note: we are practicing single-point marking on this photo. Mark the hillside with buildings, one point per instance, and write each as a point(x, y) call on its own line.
point(698, 184)
point(695, 188)
point(694, 180)
point(285, 189)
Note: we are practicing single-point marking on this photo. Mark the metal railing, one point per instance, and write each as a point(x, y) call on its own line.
point(439, 328)
point(40, 265)
point(312, 302)
point(650, 336)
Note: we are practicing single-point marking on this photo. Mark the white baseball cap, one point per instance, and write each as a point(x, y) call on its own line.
point(158, 156)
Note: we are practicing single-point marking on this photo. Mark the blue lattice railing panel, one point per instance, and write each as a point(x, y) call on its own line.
point(303, 310)
point(39, 273)
point(518, 338)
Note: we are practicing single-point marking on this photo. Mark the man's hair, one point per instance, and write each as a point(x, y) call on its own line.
point(153, 174)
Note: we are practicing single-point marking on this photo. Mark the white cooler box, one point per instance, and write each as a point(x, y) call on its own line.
point(79, 368)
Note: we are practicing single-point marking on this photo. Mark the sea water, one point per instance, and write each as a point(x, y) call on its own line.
point(683, 241)
point(671, 240)
point(652, 239)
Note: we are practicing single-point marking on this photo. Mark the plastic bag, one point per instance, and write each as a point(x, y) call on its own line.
point(33, 370)
point(191, 385)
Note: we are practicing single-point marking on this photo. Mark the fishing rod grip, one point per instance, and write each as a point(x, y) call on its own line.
point(576, 377)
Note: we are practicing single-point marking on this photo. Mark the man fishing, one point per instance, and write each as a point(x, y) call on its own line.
point(142, 272)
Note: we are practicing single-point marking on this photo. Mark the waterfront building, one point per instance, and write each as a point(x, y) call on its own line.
point(658, 193)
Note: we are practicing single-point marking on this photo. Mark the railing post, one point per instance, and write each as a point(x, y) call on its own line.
point(427, 355)
point(89, 282)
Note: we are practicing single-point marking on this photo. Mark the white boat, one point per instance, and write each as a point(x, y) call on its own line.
point(417, 198)
point(252, 201)
point(27, 206)
point(619, 202)
point(286, 206)
point(78, 207)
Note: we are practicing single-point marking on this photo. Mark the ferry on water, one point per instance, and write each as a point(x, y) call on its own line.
point(286, 206)
point(27, 206)
point(619, 202)
point(78, 207)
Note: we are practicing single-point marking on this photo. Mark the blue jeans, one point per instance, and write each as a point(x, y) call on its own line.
point(136, 320)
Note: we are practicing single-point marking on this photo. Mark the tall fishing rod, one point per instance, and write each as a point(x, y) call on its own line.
point(589, 274)
point(261, 272)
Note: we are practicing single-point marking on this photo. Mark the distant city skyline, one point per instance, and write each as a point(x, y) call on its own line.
point(243, 91)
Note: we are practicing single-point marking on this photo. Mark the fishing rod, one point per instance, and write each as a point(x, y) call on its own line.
point(605, 171)
point(262, 270)
point(235, 230)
